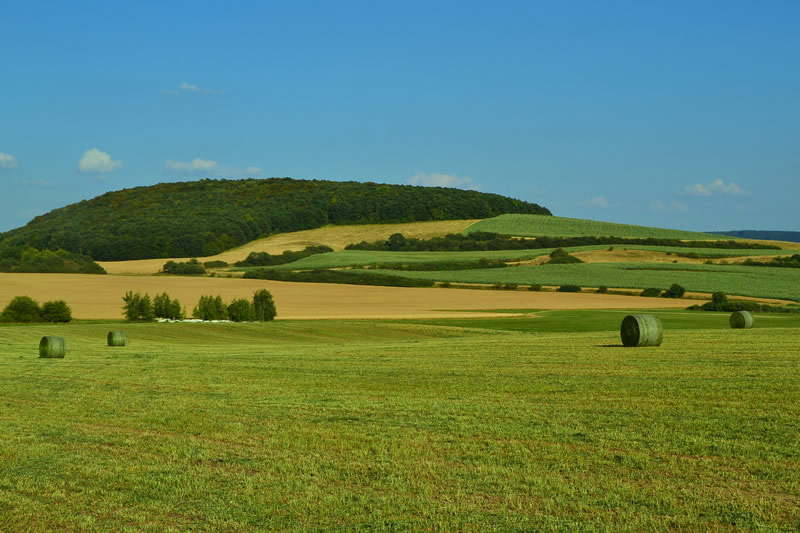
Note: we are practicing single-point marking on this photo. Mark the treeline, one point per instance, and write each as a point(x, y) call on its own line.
point(205, 217)
point(766, 235)
point(337, 276)
point(485, 241)
point(780, 262)
point(28, 259)
point(139, 307)
point(265, 259)
point(720, 302)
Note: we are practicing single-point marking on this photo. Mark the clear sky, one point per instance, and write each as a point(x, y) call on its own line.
point(676, 113)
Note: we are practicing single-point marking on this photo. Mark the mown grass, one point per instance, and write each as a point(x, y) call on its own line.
point(738, 280)
point(541, 225)
point(350, 425)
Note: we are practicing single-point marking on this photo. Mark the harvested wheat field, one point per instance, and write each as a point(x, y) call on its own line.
point(100, 297)
point(337, 237)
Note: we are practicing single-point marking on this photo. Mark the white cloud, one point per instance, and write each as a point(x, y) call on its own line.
point(597, 201)
point(716, 186)
point(435, 179)
point(94, 160)
point(207, 167)
point(185, 87)
point(7, 161)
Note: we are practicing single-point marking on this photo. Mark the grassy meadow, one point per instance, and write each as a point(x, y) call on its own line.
point(551, 226)
point(538, 422)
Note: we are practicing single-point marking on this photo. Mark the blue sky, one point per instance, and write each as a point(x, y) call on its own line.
point(681, 114)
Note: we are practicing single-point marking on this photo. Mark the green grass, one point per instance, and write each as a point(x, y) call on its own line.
point(541, 225)
point(763, 282)
point(369, 425)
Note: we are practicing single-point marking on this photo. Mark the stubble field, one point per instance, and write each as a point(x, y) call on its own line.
point(518, 424)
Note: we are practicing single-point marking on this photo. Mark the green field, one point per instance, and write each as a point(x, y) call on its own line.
point(765, 282)
point(512, 424)
point(542, 225)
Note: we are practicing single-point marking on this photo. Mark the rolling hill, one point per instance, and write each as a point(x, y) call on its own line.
point(206, 217)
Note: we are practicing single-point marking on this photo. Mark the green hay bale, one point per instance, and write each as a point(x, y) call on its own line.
point(53, 347)
point(641, 330)
point(741, 320)
point(116, 338)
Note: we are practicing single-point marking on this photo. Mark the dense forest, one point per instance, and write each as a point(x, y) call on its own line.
point(786, 236)
point(205, 217)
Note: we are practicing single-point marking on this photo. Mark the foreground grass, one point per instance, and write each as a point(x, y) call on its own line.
point(401, 426)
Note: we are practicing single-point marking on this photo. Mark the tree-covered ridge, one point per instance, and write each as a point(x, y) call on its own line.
point(205, 217)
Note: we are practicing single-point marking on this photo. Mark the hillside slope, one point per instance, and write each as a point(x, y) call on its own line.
point(206, 217)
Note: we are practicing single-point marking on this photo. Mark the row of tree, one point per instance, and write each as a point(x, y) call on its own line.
point(141, 308)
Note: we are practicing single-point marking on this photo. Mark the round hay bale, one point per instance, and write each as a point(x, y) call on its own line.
point(641, 330)
point(741, 320)
point(116, 338)
point(51, 346)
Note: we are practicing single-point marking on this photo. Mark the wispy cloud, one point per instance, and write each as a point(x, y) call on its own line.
point(189, 88)
point(94, 160)
point(436, 179)
point(7, 161)
point(207, 167)
point(597, 201)
point(660, 207)
point(715, 187)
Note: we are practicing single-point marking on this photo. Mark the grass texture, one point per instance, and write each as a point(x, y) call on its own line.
point(541, 225)
point(512, 424)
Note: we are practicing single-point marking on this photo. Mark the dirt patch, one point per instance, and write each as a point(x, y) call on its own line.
point(337, 237)
point(100, 297)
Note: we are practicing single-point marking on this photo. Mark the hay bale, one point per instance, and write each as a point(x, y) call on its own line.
point(641, 330)
point(741, 320)
point(116, 338)
point(51, 346)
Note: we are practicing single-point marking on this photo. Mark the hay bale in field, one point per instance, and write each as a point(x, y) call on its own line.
point(741, 320)
point(641, 330)
point(51, 346)
point(116, 338)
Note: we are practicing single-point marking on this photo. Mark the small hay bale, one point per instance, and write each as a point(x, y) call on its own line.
point(116, 338)
point(53, 347)
point(741, 320)
point(641, 330)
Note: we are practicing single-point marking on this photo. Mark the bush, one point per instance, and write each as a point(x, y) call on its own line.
point(651, 292)
point(674, 291)
point(510, 287)
point(189, 268)
point(210, 308)
point(560, 257)
point(241, 310)
point(535, 287)
point(137, 307)
point(22, 309)
point(164, 307)
point(56, 311)
point(602, 289)
point(215, 264)
point(569, 288)
point(263, 306)
point(719, 298)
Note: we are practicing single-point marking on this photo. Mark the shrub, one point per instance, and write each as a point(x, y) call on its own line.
point(22, 309)
point(56, 311)
point(215, 264)
point(165, 307)
point(241, 310)
point(138, 307)
point(602, 289)
point(535, 287)
point(569, 288)
point(263, 306)
point(651, 292)
point(189, 268)
point(445, 284)
point(674, 291)
point(210, 308)
point(560, 257)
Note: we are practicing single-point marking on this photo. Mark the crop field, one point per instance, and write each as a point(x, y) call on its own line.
point(542, 225)
point(766, 282)
point(542, 422)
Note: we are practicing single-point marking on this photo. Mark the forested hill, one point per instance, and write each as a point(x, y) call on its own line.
point(199, 218)
point(786, 236)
